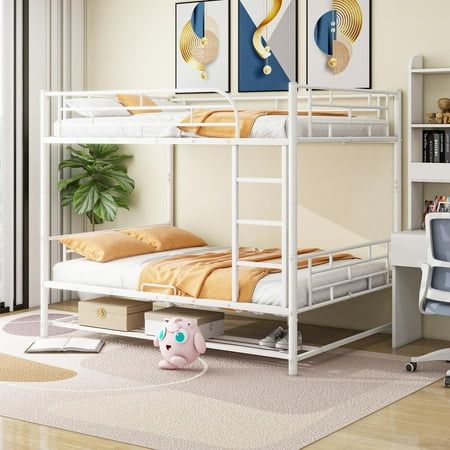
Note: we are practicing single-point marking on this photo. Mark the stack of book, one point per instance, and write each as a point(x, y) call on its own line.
point(436, 146)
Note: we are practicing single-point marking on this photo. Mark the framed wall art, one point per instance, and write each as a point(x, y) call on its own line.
point(267, 45)
point(339, 43)
point(202, 45)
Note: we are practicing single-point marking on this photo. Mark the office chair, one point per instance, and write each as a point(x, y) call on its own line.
point(434, 296)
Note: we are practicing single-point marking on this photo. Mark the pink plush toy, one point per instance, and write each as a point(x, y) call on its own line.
point(180, 343)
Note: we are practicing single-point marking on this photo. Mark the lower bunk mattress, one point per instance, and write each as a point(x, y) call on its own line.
point(124, 274)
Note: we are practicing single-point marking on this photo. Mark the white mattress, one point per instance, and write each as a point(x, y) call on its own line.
point(163, 125)
point(124, 273)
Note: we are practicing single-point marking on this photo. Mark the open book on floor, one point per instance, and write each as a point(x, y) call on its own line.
point(72, 345)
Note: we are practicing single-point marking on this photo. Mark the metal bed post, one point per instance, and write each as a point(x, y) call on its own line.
point(292, 229)
point(234, 223)
point(44, 217)
point(398, 162)
point(170, 196)
point(284, 226)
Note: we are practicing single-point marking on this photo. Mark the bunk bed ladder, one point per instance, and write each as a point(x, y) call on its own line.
point(236, 181)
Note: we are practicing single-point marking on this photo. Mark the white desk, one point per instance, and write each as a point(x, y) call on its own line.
point(408, 251)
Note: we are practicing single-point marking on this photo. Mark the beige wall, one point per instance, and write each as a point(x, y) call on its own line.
point(345, 191)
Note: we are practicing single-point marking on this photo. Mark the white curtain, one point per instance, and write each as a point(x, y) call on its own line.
point(7, 133)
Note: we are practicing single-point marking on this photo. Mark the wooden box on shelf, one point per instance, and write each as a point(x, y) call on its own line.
point(113, 313)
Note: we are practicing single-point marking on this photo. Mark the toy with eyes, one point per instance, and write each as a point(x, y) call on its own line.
point(180, 343)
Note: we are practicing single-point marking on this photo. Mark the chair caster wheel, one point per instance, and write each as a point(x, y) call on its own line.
point(412, 367)
point(447, 381)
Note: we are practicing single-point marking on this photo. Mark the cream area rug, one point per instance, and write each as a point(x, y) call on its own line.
point(224, 401)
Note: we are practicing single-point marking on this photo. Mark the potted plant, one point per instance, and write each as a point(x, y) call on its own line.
point(99, 185)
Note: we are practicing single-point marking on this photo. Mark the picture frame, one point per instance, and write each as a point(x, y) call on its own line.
point(339, 44)
point(443, 207)
point(441, 203)
point(202, 45)
point(267, 54)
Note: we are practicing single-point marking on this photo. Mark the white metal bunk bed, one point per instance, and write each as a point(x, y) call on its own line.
point(365, 110)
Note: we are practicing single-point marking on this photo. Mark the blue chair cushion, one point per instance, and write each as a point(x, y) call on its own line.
point(440, 279)
point(439, 308)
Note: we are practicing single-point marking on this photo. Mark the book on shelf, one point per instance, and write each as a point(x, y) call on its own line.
point(447, 146)
point(436, 146)
point(66, 345)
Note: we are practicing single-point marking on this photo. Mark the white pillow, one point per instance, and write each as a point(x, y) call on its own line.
point(80, 105)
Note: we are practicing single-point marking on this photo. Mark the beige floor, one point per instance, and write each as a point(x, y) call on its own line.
point(420, 421)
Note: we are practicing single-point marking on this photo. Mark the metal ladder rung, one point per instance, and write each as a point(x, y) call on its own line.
point(267, 223)
point(260, 180)
point(262, 265)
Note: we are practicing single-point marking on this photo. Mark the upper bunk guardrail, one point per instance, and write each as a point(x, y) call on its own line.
point(364, 107)
point(224, 103)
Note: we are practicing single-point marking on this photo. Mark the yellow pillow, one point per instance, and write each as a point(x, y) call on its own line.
point(106, 246)
point(135, 100)
point(165, 237)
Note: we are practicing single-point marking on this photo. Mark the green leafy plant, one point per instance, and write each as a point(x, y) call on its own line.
point(99, 185)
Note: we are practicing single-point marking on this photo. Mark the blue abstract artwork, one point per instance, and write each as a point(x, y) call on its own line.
point(267, 40)
point(338, 47)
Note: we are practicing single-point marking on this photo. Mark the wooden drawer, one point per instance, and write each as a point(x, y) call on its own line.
point(113, 313)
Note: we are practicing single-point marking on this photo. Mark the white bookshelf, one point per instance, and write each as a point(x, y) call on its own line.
point(420, 173)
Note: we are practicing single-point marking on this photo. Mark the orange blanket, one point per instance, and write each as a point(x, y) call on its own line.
point(208, 275)
point(246, 121)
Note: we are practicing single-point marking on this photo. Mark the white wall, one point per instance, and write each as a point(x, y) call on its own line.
point(345, 191)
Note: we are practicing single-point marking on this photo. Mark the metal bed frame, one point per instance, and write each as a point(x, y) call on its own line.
point(378, 105)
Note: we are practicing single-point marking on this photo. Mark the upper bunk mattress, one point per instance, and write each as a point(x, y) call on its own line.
point(162, 125)
point(124, 273)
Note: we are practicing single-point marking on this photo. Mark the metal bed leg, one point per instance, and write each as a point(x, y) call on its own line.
point(398, 163)
point(44, 216)
point(292, 229)
point(293, 347)
point(45, 295)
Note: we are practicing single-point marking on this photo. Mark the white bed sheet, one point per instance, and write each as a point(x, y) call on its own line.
point(124, 273)
point(163, 125)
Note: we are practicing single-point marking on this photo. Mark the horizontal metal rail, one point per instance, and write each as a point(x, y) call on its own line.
point(225, 108)
point(204, 141)
point(261, 223)
point(165, 298)
point(343, 249)
point(340, 299)
point(342, 342)
point(366, 92)
point(320, 269)
point(259, 180)
point(353, 107)
point(349, 280)
point(258, 264)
